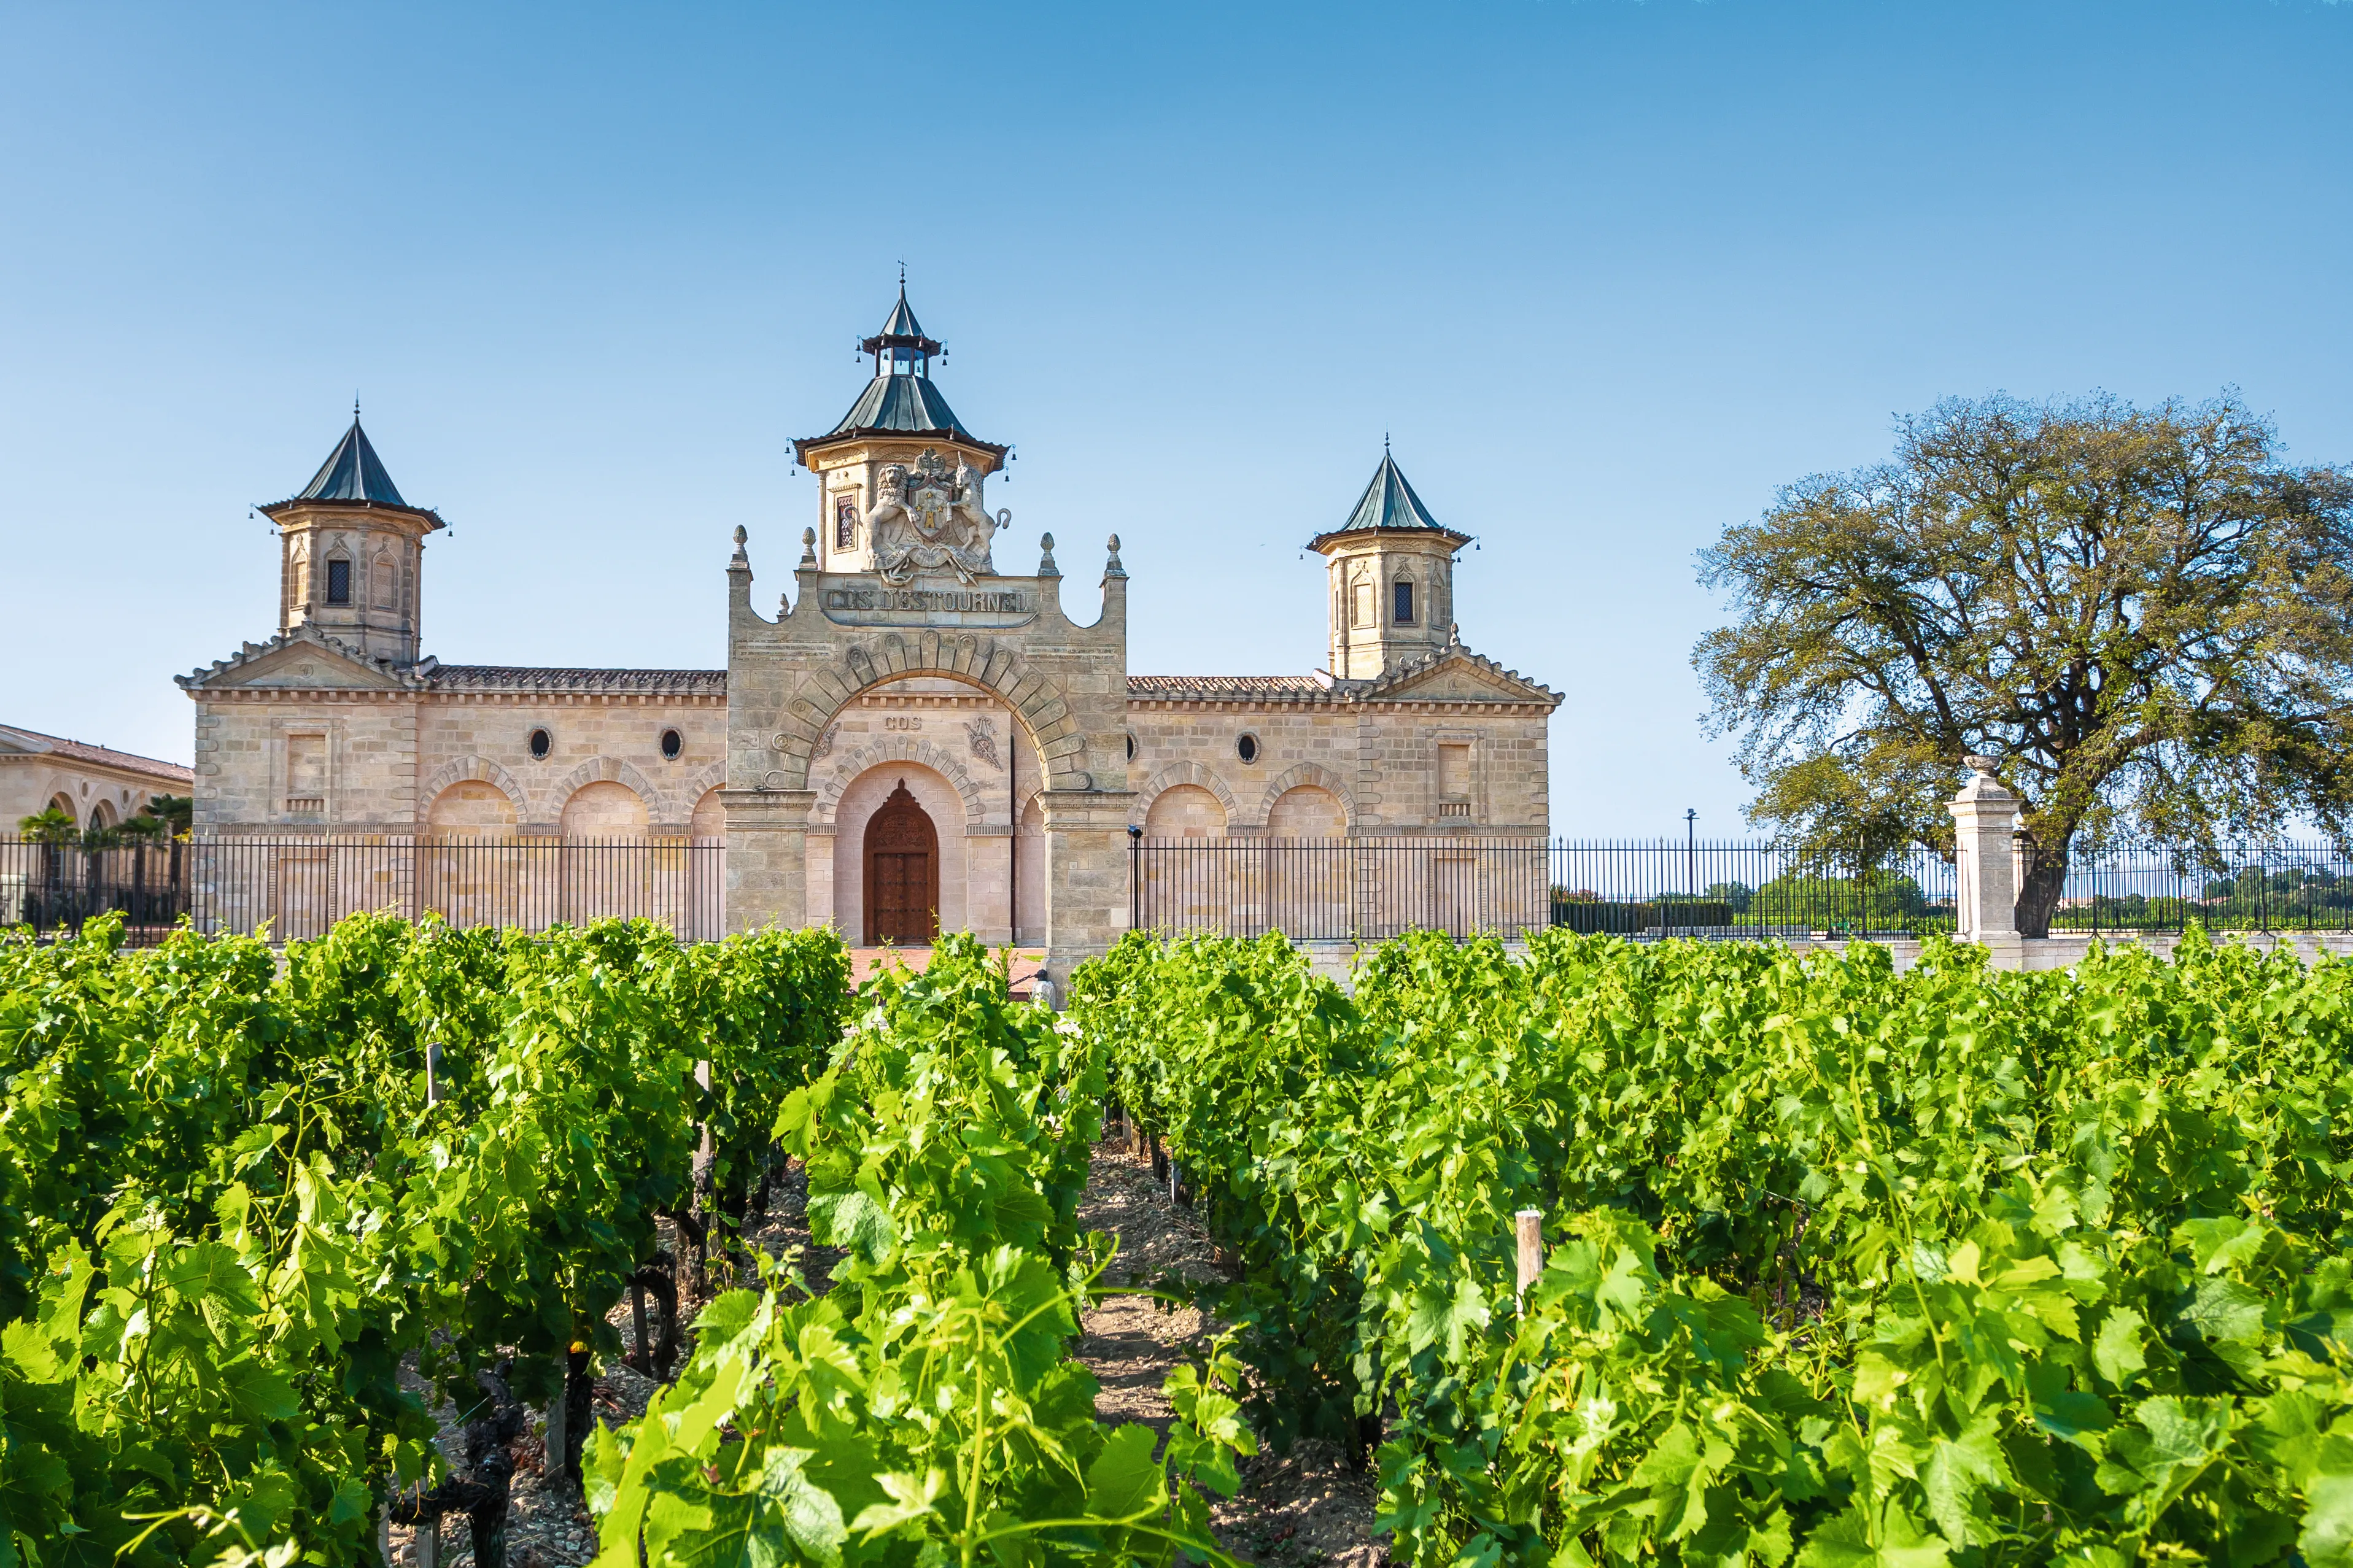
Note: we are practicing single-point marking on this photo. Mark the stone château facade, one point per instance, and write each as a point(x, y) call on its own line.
point(915, 735)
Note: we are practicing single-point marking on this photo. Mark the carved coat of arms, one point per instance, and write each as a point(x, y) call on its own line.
point(927, 519)
point(982, 737)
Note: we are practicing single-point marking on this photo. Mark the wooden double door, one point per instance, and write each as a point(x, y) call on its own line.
point(902, 873)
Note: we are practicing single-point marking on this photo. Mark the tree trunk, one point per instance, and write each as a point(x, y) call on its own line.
point(2039, 897)
point(732, 1205)
point(579, 1394)
point(660, 1278)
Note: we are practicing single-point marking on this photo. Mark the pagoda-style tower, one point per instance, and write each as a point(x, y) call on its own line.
point(1392, 571)
point(352, 551)
point(900, 417)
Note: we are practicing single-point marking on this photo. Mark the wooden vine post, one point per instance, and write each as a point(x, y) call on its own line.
point(554, 1462)
point(705, 1157)
point(1528, 1225)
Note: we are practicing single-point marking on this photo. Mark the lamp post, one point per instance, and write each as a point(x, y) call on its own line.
point(1690, 852)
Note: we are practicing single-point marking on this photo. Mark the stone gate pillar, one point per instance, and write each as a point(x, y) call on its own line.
point(1086, 874)
point(1985, 820)
point(767, 856)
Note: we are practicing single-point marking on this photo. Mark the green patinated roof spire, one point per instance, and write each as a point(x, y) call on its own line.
point(1388, 504)
point(352, 472)
point(901, 329)
point(902, 398)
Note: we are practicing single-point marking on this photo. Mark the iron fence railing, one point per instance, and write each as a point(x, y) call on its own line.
point(1371, 888)
point(52, 886)
point(2284, 887)
point(1750, 889)
point(1339, 888)
point(1368, 890)
point(295, 886)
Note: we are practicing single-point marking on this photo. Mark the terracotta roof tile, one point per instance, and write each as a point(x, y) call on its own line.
point(96, 756)
point(524, 677)
point(1227, 686)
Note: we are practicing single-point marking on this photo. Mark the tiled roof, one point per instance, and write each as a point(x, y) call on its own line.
point(524, 677)
point(1226, 685)
point(1325, 687)
point(56, 746)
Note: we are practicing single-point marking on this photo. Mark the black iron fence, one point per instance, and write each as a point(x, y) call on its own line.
point(2274, 888)
point(1709, 887)
point(295, 886)
point(52, 886)
point(1368, 890)
point(1371, 888)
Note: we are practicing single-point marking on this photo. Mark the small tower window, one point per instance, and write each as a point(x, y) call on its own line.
point(1404, 609)
point(671, 744)
point(339, 582)
point(541, 743)
point(1246, 748)
point(845, 521)
point(1131, 748)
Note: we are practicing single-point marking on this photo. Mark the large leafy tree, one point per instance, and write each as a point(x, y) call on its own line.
point(2145, 613)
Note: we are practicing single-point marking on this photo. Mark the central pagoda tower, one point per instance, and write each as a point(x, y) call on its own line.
point(900, 421)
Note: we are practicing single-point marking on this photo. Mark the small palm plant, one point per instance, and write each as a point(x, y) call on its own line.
point(50, 826)
point(167, 815)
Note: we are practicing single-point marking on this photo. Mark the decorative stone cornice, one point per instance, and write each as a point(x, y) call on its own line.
point(1252, 693)
point(1372, 690)
point(532, 681)
point(415, 677)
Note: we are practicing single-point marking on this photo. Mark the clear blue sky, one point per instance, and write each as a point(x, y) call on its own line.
point(1608, 272)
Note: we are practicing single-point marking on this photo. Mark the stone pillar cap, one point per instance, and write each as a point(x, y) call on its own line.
point(1982, 785)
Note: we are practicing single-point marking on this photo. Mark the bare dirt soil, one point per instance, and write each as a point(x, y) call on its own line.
point(1303, 1510)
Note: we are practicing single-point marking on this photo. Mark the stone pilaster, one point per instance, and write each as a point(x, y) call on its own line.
point(1985, 820)
point(767, 856)
point(1086, 874)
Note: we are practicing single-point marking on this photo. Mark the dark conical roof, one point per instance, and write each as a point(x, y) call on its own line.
point(902, 322)
point(1388, 503)
point(352, 472)
point(902, 330)
point(901, 403)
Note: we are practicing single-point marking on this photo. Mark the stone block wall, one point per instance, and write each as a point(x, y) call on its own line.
point(306, 761)
point(1383, 762)
point(591, 740)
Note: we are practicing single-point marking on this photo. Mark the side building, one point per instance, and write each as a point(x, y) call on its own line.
point(916, 741)
point(97, 786)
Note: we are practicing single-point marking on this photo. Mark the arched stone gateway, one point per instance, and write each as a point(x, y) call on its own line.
point(841, 633)
point(902, 855)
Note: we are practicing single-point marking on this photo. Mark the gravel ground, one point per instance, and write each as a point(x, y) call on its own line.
point(1303, 1510)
